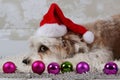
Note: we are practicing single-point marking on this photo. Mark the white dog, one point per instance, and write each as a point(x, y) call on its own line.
point(71, 46)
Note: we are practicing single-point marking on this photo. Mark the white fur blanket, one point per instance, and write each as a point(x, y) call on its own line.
point(65, 76)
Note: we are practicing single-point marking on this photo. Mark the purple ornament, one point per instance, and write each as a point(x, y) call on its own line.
point(9, 67)
point(82, 67)
point(53, 68)
point(110, 68)
point(38, 67)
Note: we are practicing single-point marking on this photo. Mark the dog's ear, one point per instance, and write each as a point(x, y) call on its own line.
point(73, 37)
point(77, 42)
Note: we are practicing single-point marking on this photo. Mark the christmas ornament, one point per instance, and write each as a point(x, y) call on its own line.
point(53, 68)
point(9, 67)
point(82, 67)
point(38, 67)
point(55, 24)
point(66, 67)
point(110, 68)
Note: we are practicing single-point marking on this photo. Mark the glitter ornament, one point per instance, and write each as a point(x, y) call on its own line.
point(53, 68)
point(38, 67)
point(110, 68)
point(9, 67)
point(66, 67)
point(82, 67)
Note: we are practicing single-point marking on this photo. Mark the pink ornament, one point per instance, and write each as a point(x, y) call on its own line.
point(110, 68)
point(9, 67)
point(82, 67)
point(38, 67)
point(53, 68)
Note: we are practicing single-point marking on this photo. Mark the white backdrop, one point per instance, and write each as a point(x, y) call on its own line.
point(20, 18)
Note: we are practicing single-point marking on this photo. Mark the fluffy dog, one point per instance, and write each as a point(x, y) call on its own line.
point(71, 47)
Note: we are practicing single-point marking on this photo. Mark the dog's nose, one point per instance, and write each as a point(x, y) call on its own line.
point(26, 61)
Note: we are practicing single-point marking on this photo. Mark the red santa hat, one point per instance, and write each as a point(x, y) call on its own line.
point(55, 24)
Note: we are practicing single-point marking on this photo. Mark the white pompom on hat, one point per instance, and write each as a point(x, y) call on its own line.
point(55, 24)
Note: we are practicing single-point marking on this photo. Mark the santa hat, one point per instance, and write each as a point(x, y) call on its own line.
point(55, 24)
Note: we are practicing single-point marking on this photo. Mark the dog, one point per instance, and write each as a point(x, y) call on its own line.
point(71, 47)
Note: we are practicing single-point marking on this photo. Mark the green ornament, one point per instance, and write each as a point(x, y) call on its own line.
point(66, 67)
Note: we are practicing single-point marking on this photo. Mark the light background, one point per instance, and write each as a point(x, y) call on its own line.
point(19, 19)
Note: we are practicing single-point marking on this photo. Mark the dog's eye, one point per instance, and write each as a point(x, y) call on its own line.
point(42, 48)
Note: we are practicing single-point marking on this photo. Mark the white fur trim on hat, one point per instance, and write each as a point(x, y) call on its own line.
point(88, 37)
point(51, 30)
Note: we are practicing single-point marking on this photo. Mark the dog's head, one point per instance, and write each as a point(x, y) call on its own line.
point(55, 49)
